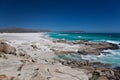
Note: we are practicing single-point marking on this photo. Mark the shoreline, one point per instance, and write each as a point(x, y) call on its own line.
point(41, 50)
point(34, 52)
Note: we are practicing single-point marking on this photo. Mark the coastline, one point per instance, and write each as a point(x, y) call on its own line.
point(40, 63)
point(37, 48)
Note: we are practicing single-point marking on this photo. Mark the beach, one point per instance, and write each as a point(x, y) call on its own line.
point(35, 56)
point(42, 56)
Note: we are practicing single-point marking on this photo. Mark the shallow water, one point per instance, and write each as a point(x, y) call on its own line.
point(112, 58)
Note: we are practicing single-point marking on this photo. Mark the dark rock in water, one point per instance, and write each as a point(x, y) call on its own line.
point(98, 70)
point(60, 41)
point(104, 46)
point(96, 63)
point(89, 50)
point(96, 48)
point(82, 41)
point(114, 46)
point(105, 53)
point(117, 68)
point(84, 63)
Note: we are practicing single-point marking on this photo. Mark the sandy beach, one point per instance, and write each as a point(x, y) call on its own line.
point(34, 58)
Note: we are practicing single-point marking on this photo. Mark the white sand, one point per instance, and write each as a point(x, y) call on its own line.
point(23, 41)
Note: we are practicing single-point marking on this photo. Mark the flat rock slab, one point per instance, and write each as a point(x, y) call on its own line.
point(9, 66)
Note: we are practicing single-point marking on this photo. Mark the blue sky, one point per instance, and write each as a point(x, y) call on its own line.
point(87, 15)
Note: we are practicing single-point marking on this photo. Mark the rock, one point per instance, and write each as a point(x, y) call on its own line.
point(4, 77)
point(22, 53)
point(2, 55)
point(113, 46)
point(61, 41)
point(89, 68)
point(103, 46)
point(95, 75)
point(89, 51)
point(60, 72)
point(96, 48)
point(83, 41)
point(105, 53)
point(117, 68)
point(64, 52)
point(37, 76)
point(84, 63)
point(4, 47)
point(34, 46)
point(102, 78)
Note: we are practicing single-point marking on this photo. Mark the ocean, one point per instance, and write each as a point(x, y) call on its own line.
point(113, 58)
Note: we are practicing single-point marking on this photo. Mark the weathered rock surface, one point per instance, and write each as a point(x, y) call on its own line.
point(6, 48)
point(64, 52)
point(59, 72)
point(96, 48)
point(105, 73)
point(80, 42)
point(102, 78)
point(85, 47)
point(4, 77)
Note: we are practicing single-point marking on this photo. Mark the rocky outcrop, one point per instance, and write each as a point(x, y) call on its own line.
point(96, 48)
point(58, 72)
point(103, 46)
point(64, 52)
point(96, 70)
point(85, 47)
point(80, 41)
point(102, 78)
point(60, 41)
point(6, 48)
point(5, 77)
point(88, 50)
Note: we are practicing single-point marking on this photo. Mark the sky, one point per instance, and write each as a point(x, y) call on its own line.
point(57, 15)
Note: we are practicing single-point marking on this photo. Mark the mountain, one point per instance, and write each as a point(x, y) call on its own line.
point(22, 30)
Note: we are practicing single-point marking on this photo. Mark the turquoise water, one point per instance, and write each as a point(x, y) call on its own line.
point(113, 58)
point(87, 36)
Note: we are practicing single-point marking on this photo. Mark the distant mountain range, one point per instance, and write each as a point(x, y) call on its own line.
point(27, 30)
point(73, 31)
point(21, 30)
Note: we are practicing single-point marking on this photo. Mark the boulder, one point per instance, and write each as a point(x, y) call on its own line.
point(102, 78)
point(21, 52)
point(89, 50)
point(6, 48)
point(95, 75)
point(34, 46)
point(84, 63)
point(89, 68)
